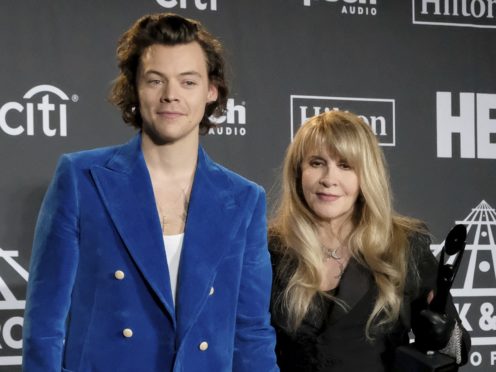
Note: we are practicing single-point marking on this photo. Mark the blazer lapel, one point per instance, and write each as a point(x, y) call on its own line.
point(210, 222)
point(126, 189)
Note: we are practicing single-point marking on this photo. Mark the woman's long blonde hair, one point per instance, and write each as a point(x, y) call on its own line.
point(379, 238)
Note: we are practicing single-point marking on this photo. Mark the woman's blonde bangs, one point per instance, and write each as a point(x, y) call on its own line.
point(338, 133)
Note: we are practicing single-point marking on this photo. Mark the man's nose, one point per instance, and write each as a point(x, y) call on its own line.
point(169, 93)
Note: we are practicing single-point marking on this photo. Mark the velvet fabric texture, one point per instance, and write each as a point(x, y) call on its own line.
point(98, 217)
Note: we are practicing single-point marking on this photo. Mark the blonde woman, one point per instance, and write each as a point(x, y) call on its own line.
point(349, 273)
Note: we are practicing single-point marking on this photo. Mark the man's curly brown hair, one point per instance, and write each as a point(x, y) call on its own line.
point(166, 29)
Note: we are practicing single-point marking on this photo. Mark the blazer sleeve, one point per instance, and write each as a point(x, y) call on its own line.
point(427, 267)
point(52, 271)
point(255, 337)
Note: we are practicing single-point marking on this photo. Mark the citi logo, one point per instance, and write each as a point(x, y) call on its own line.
point(458, 13)
point(469, 117)
point(232, 122)
point(198, 4)
point(378, 113)
point(31, 118)
point(353, 7)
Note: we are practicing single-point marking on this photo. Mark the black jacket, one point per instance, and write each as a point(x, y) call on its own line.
point(332, 339)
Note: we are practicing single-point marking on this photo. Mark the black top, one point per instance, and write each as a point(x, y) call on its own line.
point(332, 339)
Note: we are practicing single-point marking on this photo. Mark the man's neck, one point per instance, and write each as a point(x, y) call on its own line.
point(173, 158)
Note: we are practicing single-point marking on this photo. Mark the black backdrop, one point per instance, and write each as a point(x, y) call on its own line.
point(422, 72)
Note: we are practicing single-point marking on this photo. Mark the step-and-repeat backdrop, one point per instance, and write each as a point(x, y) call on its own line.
point(422, 73)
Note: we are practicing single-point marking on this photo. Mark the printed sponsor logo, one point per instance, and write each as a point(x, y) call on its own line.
point(11, 310)
point(458, 13)
point(232, 123)
point(474, 289)
point(472, 118)
point(351, 7)
point(47, 117)
point(183, 4)
point(378, 113)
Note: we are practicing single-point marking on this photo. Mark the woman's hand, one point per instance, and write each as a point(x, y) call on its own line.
point(432, 329)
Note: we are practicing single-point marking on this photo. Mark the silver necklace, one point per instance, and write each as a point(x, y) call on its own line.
point(332, 254)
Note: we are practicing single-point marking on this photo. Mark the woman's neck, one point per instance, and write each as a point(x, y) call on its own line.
point(333, 235)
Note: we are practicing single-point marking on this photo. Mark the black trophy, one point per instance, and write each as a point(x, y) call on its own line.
point(433, 327)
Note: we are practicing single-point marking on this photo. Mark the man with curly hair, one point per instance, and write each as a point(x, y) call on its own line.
point(149, 256)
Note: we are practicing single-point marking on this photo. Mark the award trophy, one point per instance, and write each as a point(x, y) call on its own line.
point(434, 327)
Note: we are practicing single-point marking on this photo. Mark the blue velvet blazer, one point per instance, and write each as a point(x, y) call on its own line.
point(98, 218)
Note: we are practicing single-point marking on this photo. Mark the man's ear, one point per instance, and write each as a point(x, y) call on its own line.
point(213, 93)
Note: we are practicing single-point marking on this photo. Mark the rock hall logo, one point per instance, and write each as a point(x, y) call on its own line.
point(232, 123)
point(474, 289)
point(351, 7)
point(11, 308)
point(43, 112)
point(184, 4)
point(457, 13)
point(378, 113)
point(471, 119)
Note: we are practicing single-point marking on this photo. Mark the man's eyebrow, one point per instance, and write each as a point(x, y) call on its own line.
point(188, 73)
point(185, 73)
point(152, 72)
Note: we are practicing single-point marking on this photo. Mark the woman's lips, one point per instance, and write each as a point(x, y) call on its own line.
point(327, 197)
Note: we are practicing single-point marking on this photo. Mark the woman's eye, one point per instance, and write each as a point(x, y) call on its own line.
point(316, 163)
point(344, 165)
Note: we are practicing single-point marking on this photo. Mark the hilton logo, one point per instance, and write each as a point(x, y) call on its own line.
point(11, 310)
point(474, 290)
point(458, 13)
point(378, 113)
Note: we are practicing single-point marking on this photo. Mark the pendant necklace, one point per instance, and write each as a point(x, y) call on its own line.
point(165, 220)
point(332, 254)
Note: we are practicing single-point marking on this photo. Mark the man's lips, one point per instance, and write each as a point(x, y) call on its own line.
point(170, 114)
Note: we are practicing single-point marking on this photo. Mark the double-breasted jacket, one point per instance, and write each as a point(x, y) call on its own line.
point(99, 296)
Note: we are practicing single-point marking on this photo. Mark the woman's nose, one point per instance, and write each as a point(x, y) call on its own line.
point(328, 178)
